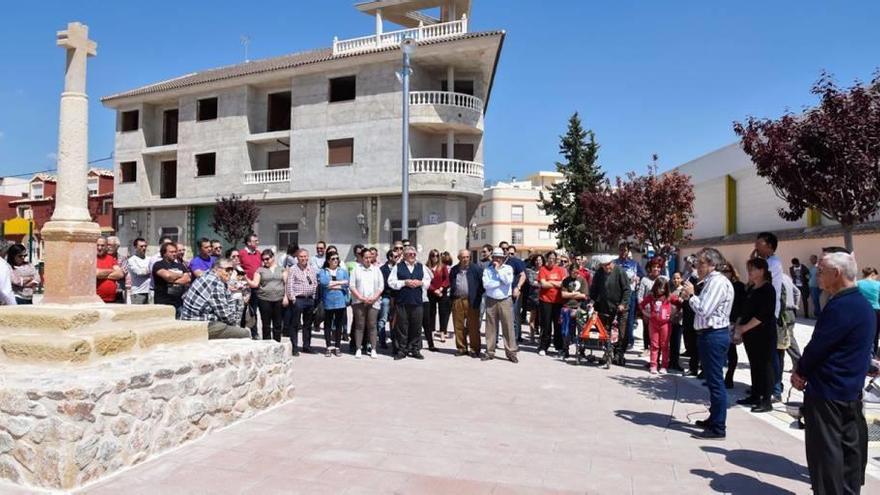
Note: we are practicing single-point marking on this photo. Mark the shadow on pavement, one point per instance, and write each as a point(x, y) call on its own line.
point(739, 483)
point(663, 387)
point(762, 462)
point(658, 420)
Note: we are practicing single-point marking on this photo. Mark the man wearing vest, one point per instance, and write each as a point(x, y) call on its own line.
point(411, 278)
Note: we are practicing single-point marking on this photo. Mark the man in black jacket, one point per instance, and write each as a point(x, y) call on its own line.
point(466, 284)
point(610, 293)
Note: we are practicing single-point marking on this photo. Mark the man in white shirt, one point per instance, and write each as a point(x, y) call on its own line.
point(366, 286)
point(411, 279)
point(139, 271)
point(765, 247)
point(497, 281)
point(7, 297)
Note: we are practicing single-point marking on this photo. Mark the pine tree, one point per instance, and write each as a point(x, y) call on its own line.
point(581, 174)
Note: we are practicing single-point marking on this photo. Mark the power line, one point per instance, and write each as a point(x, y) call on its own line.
point(26, 174)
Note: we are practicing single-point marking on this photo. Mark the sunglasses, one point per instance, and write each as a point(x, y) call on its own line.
point(435, 255)
point(335, 258)
point(398, 248)
point(410, 254)
point(267, 259)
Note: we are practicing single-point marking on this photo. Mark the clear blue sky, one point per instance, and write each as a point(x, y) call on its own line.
point(647, 76)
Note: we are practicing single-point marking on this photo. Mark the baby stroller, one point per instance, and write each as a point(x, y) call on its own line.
point(593, 336)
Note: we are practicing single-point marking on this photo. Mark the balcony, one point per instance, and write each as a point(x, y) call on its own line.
point(271, 176)
point(445, 166)
point(441, 111)
point(385, 40)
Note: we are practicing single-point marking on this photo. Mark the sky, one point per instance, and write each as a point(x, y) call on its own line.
point(665, 77)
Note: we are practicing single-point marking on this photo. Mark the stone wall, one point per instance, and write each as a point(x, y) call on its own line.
point(65, 426)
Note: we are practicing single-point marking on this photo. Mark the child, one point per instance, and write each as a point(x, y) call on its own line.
point(657, 308)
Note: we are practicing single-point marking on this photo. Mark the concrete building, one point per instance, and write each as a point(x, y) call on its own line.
point(733, 204)
point(510, 211)
point(315, 138)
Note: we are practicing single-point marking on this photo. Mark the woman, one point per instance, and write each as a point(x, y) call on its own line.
point(445, 306)
point(869, 286)
point(739, 296)
point(25, 277)
point(269, 281)
point(437, 292)
point(533, 304)
point(334, 292)
point(756, 328)
point(367, 285)
point(550, 276)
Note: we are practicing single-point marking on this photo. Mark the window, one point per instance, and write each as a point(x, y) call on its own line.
point(342, 88)
point(278, 159)
point(24, 212)
point(37, 190)
point(396, 232)
point(483, 211)
point(288, 235)
point(516, 237)
point(544, 235)
point(464, 87)
point(340, 151)
point(130, 120)
point(107, 207)
point(482, 234)
point(279, 112)
point(207, 109)
point(169, 126)
point(516, 213)
point(206, 164)
point(93, 186)
point(129, 171)
point(463, 151)
point(172, 233)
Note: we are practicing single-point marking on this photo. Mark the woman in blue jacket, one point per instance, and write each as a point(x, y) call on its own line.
point(334, 290)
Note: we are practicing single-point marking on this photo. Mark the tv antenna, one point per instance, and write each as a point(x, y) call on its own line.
point(246, 41)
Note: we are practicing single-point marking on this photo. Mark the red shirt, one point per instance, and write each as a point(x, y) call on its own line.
point(556, 274)
point(250, 262)
point(586, 275)
point(106, 288)
point(439, 277)
point(660, 310)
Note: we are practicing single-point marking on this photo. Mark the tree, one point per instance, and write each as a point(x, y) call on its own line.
point(581, 174)
point(827, 159)
point(234, 218)
point(653, 208)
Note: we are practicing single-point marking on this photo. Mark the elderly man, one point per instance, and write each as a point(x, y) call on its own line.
point(139, 270)
point(832, 373)
point(411, 279)
point(498, 281)
point(299, 296)
point(108, 273)
point(467, 295)
point(210, 299)
point(712, 324)
point(610, 291)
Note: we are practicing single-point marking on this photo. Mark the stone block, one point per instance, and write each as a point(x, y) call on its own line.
point(113, 342)
point(142, 312)
point(47, 318)
point(174, 332)
point(37, 348)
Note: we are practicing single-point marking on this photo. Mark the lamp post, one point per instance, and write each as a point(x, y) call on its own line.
point(407, 46)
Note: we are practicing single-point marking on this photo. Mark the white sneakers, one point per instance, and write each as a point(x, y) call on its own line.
point(663, 371)
point(358, 354)
point(542, 353)
point(374, 354)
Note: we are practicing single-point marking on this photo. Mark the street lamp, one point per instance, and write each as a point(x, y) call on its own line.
point(407, 46)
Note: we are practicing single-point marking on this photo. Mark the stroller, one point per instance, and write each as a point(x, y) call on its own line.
point(593, 336)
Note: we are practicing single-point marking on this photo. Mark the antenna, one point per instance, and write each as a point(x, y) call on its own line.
point(246, 41)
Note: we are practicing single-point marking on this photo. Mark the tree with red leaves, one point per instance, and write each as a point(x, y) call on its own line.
point(828, 158)
point(234, 218)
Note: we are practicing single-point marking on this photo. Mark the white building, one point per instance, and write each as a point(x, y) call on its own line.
point(315, 138)
point(510, 211)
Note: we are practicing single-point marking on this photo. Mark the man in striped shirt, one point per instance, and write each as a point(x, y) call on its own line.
point(712, 324)
point(299, 299)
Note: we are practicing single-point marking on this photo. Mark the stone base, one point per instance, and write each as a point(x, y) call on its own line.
point(61, 427)
point(69, 248)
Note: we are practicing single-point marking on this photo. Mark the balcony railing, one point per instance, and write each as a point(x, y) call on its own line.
point(446, 98)
point(393, 38)
point(445, 166)
point(267, 176)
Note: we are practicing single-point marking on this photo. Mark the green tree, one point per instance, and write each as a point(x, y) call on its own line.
point(581, 174)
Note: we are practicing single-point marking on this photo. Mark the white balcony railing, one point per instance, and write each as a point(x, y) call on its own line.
point(446, 98)
point(267, 176)
point(393, 38)
point(445, 166)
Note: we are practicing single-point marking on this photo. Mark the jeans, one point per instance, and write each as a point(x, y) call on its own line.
point(384, 317)
point(253, 303)
point(300, 316)
point(517, 320)
point(334, 319)
point(713, 344)
point(815, 294)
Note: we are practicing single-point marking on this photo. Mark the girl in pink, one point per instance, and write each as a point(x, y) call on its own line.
point(657, 308)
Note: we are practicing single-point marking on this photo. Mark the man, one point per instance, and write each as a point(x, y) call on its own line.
point(210, 299)
point(139, 271)
point(7, 297)
point(815, 291)
point(485, 256)
point(712, 323)
point(317, 261)
point(113, 250)
point(634, 272)
point(386, 310)
point(687, 318)
point(519, 280)
point(216, 248)
point(466, 279)
point(411, 279)
point(250, 260)
point(302, 286)
point(170, 278)
point(832, 373)
point(786, 342)
point(498, 282)
point(181, 254)
point(765, 247)
point(800, 275)
point(610, 292)
point(108, 273)
point(202, 263)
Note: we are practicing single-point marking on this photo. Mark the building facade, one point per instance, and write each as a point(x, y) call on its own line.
point(511, 211)
point(315, 138)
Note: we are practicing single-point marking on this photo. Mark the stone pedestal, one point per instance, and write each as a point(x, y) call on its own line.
point(70, 249)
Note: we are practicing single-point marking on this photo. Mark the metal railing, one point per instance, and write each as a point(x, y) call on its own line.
point(445, 98)
point(445, 166)
point(393, 38)
point(267, 176)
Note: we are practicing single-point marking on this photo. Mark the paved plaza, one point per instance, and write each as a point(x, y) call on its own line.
point(461, 426)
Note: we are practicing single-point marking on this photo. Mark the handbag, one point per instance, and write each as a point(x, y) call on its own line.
point(250, 317)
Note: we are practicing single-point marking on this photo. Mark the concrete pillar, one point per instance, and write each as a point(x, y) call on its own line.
point(450, 144)
point(70, 236)
point(379, 27)
point(451, 10)
point(450, 79)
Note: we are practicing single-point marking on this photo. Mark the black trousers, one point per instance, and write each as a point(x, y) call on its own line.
point(550, 326)
point(334, 320)
point(836, 440)
point(760, 349)
point(271, 317)
point(429, 322)
point(300, 315)
point(732, 361)
point(675, 347)
point(690, 346)
point(622, 334)
point(408, 332)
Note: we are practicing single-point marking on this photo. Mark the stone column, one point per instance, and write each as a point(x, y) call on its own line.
point(70, 236)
